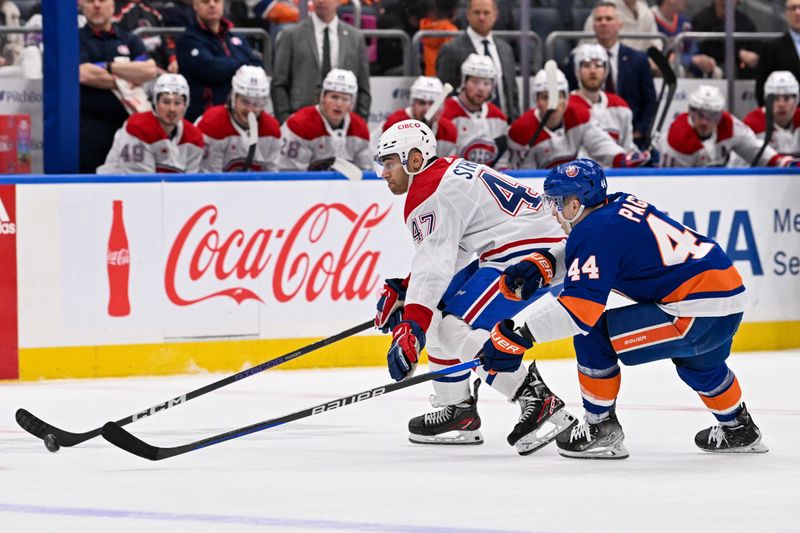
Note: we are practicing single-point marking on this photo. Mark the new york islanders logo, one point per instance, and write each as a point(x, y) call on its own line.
point(571, 171)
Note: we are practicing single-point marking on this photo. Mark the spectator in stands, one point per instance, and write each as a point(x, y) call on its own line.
point(707, 135)
point(161, 140)
point(179, 14)
point(786, 136)
point(481, 125)
point(307, 52)
point(478, 38)
point(226, 127)
point(107, 54)
point(133, 14)
point(424, 91)
point(11, 44)
point(278, 13)
point(399, 15)
point(629, 73)
point(442, 19)
point(712, 19)
point(635, 17)
point(315, 135)
point(783, 53)
point(209, 55)
point(671, 20)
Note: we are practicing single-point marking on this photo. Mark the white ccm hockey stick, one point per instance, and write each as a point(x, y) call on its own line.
point(438, 102)
point(252, 141)
point(551, 77)
point(347, 169)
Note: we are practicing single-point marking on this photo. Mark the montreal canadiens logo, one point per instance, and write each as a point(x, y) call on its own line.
point(571, 171)
point(482, 151)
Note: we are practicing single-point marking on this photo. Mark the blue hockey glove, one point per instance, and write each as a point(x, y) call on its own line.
point(390, 305)
point(408, 340)
point(504, 350)
point(521, 280)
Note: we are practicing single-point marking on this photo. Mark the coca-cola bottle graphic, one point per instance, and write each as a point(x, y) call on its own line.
point(119, 265)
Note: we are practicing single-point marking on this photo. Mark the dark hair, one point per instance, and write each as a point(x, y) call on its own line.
point(469, 3)
point(445, 9)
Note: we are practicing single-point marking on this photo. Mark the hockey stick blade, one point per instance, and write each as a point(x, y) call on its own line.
point(252, 141)
point(347, 169)
point(440, 98)
point(39, 428)
point(769, 128)
point(123, 439)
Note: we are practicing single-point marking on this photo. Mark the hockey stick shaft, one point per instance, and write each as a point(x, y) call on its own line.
point(671, 84)
point(252, 141)
point(769, 128)
point(121, 438)
point(38, 428)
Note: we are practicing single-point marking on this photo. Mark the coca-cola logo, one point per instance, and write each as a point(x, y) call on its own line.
point(306, 261)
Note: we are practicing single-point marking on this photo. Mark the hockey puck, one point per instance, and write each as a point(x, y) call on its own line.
point(51, 443)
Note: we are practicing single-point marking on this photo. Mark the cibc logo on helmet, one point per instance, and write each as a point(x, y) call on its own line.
point(410, 125)
point(571, 171)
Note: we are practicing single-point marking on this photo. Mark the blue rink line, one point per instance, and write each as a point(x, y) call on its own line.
point(239, 520)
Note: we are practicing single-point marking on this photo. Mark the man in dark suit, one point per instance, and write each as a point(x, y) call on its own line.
point(629, 71)
point(478, 39)
point(783, 53)
point(305, 53)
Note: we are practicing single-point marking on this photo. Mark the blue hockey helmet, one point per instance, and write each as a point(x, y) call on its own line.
point(583, 178)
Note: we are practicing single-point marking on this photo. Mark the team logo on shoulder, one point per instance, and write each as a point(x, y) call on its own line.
point(571, 171)
point(123, 50)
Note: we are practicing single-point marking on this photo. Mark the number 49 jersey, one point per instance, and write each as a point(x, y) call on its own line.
point(456, 207)
point(631, 247)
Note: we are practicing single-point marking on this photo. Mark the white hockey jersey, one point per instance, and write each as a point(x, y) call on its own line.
point(444, 129)
point(482, 135)
point(612, 114)
point(456, 205)
point(784, 140)
point(307, 137)
point(682, 147)
point(554, 147)
point(141, 146)
point(227, 146)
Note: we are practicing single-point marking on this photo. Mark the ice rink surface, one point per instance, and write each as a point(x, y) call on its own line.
point(352, 469)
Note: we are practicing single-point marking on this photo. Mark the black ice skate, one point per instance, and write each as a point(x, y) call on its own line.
point(543, 415)
point(453, 424)
point(742, 437)
point(594, 441)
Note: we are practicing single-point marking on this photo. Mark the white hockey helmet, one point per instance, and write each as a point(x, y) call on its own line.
point(478, 66)
point(539, 84)
point(426, 88)
point(341, 81)
point(401, 138)
point(707, 98)
point(782, 82)
point(589, 52)
point(171, 84)
point(250, 82)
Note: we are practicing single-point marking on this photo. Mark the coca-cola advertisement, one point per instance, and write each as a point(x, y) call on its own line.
point(8, 283)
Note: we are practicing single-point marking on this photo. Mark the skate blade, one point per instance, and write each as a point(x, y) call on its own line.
point(615, 451)
point(462, 438)
point(756, 447)
point(558, 423)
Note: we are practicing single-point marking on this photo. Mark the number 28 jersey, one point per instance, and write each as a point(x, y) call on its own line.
point(631, 247)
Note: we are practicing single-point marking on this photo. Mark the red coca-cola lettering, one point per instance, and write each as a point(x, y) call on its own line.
point(347, 272)
point(118, 261)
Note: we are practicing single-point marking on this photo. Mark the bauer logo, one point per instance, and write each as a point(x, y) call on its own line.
point(7, 226)
point(366, 395)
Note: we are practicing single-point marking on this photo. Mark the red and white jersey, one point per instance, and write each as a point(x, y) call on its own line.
point(682, 147)
point(611, 113)
point(482, 134)
point(444, 129)
point(457, 205)
point(784, 140)
point(553, 147)
point(141, 146)
point(226, 142)
point(306, 136)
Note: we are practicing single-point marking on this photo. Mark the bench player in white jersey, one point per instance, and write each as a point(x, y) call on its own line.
point(313, 136)
point(158, 141)
point(423, 92)
point(569, 130)
point(226, 128)
point(455, 207)
point(707, 135)
point(481, 125)
point(786, 136)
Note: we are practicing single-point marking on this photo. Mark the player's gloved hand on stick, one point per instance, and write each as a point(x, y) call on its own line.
point(408, 340)
point(634, 159)
point(521, 280)
point(504, 350)
point(390, 304)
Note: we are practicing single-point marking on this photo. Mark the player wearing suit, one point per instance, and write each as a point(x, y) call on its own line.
point(158, 141)
point(786, 136)
point(689, 303)
point(226, 128)
point(315, 135)
point(454, 208)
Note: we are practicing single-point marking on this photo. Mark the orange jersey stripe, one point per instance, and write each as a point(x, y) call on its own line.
point(587, 311)
point(708, 281)
point(725, 401)
point(661, 333)
point(600, 388)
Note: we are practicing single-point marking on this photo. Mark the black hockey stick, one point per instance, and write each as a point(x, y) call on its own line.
point(252, 141)
point(39, 428)
point(670, 83)
point(769, 128)
point(121, 438)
